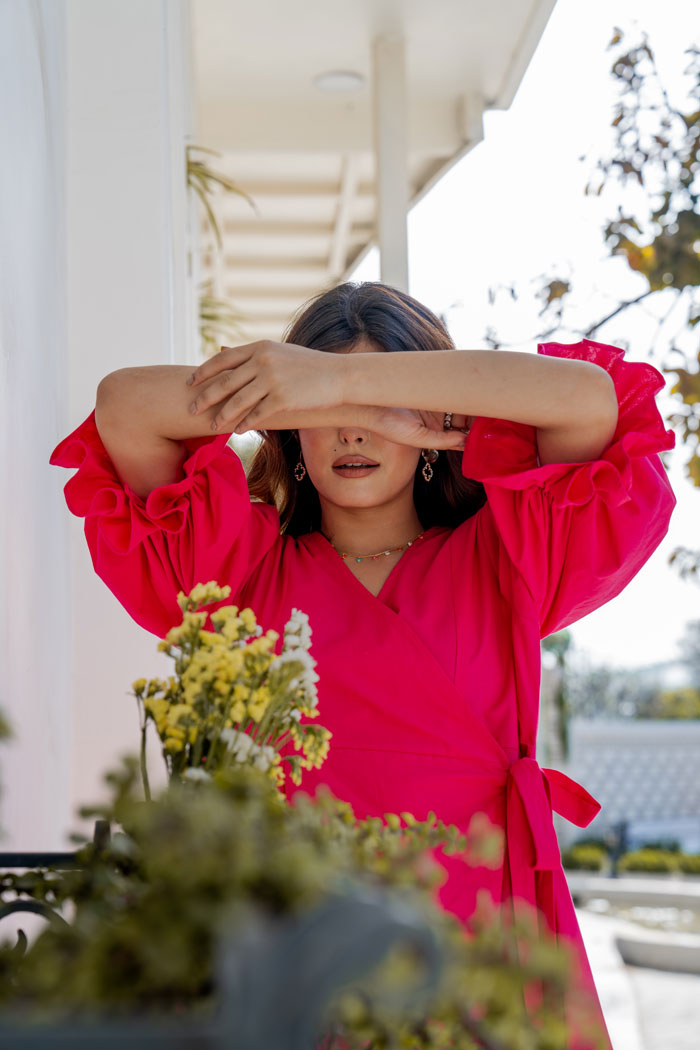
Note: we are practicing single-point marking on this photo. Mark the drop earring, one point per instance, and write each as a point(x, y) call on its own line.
point(429, 455)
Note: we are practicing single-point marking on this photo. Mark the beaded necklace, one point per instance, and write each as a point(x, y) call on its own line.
point(379, 553)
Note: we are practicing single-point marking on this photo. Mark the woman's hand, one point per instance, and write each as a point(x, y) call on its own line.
point(283, 386)
point(260, 380)
point(410, 426)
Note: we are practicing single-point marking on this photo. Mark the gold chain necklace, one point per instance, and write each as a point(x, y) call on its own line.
point(344, 554)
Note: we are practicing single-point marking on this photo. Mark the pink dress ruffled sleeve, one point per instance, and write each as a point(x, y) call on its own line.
point(199, 528)
point(578, 532)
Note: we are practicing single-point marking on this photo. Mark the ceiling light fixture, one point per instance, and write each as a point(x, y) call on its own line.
point(339, 81)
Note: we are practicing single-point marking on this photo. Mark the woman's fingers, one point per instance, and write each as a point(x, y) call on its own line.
point(233, 385)
point(406, 427)
point(227, 357)
point(241, 406)
point(443, 439)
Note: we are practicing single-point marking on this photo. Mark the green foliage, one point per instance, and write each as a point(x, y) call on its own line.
point(149, 907)
point(670, 845)
point(202, 179)
point(6, 733)
point(217, 317)
point(657, 147)
point(217, 320)
point(221, 846)
point(592, 840)
point(683, 702)
point(584, 858)
point(648, 860)
point(689, 863)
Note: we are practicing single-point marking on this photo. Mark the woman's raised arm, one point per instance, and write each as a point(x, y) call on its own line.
point(142, 417)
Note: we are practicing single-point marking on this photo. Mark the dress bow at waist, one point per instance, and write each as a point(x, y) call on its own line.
point(532, 792)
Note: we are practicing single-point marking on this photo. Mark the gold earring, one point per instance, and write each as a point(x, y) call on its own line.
point(300, 466)
point(429, 455)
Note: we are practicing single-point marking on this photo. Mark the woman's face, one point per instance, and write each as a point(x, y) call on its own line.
point(321, 446)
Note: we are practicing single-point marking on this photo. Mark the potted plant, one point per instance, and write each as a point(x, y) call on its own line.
point(219, 875)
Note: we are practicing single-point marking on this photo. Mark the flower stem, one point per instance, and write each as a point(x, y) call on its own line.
point(144, 771)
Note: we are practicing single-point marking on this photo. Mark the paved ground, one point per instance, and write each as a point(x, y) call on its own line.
point(644, 1009)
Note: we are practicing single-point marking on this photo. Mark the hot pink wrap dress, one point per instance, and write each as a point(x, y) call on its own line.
point(431, 688)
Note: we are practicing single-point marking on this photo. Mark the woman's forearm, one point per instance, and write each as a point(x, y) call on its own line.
point(545, 392)
point(573, 404)
point(154, 400)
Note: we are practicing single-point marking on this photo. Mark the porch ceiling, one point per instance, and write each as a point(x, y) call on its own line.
point(307, 157)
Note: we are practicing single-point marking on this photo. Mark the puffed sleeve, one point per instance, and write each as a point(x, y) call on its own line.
point(578, 532)
point(203, 527)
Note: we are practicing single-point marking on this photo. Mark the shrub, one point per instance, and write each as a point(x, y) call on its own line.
point(689, 863)
point(592, 840)
point(584, 858)
point(648, 860)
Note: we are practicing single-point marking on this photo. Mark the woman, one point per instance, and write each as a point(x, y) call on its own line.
point(508, 495)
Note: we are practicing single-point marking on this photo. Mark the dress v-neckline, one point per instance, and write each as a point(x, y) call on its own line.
point(345, 571)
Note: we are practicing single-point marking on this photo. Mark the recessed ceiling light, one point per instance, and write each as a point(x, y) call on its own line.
point(339, 81)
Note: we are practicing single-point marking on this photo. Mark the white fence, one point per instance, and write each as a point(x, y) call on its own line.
point(647, 772)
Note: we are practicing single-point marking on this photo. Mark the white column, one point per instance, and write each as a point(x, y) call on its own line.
point(94, 237)
point(391, 157)
point(127, 95)
point(35, 577)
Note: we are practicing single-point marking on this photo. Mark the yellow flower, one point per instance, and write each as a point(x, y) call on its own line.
point(203, 594)
point(139, 685)
point(210, 638)
point(259, 702)
point(193, 619)
point(157, 706)
point(173, 745)
point(191, 691)
point(258, 646)
point(248, 619)
point(232, 660)
point(221, 616)
point(238, 711)
point(175, 635)
point(231, 629)
point(177, 710)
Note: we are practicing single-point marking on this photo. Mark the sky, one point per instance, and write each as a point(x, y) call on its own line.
point(513, 211)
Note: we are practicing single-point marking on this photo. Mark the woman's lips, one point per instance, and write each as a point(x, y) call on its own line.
point(355, 472)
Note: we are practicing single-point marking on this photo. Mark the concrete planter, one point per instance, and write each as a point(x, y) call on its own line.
point(661, 950)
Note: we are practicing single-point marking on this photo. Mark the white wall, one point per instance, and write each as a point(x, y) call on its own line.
point(95, 110)
point(35, 636)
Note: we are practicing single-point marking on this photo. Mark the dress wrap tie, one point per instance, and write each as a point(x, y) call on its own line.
point(532, 792)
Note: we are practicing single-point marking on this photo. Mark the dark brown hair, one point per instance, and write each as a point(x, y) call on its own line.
point(335, 320)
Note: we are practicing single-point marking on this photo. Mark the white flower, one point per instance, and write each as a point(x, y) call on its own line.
point(297, 632)
point(196, 774)
point(239, 744)
point(260, 762)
